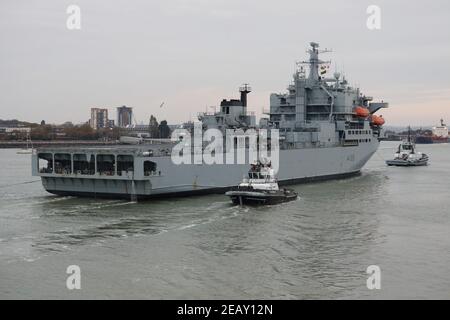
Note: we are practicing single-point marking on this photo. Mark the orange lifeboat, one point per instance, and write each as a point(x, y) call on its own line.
point(362, 112)
point(377, 120)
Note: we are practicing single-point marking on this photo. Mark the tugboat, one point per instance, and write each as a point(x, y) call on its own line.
point(406, 155)
point(261, 187)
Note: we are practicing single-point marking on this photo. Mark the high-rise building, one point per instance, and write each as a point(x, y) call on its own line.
point(99, 118)
point(124, 116)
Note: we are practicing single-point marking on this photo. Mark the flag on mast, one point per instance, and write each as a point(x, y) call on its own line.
point(324, 69)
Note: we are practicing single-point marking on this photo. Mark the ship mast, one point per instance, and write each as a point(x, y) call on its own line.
point(314, 61)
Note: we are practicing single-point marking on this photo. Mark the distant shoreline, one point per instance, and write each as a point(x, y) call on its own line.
point(23, 144)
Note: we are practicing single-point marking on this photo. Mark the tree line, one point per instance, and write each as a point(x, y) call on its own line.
point(69, 131)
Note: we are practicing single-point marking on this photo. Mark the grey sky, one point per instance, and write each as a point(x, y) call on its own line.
point(192, 53)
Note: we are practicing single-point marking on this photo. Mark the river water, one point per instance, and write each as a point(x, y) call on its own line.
point(317, 247)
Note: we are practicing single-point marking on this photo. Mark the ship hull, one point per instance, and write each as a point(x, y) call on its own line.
point(296, 166)
point(430, 140)
point(196, 192)
point(403, 163)
point(260, 198)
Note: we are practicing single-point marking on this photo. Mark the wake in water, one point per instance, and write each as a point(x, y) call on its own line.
point(18, 184)
point(82, 209)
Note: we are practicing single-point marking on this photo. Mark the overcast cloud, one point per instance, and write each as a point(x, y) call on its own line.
point(192, 53)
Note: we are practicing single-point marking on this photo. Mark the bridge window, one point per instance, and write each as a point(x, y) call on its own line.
point(63, 163)
point(106, 164)
point(149, 168)
point(45, 162)
point(125, 164)
point(81, 165)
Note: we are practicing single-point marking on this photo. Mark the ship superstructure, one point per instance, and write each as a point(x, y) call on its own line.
point(440, 133)
point(327, 129)
point(315, 112)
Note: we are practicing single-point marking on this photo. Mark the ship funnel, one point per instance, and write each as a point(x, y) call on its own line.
point(245, 90)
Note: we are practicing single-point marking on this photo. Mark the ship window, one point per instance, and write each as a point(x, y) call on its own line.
point(125, 164)
point(82, 166)
point(149, 168)
point(63, 163)
point(106, 164)
point(45, 162)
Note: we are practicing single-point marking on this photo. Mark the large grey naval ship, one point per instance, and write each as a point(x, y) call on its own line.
point(327, 129)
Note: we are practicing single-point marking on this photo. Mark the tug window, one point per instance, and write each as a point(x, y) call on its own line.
point(125, 164)
point(106, 164)
point(82, 166)
point(63, 163)
point(149, 168)
point(45, 162)
point(407, 147)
